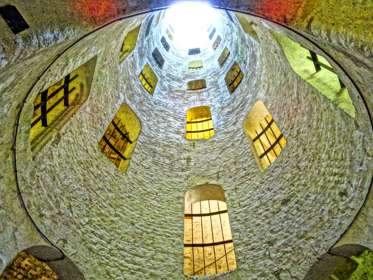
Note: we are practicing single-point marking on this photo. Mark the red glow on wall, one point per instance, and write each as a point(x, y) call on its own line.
point(279, 10)
point(99, 11)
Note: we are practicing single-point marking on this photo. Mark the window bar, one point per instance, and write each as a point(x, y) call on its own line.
point(209, 244)
point(203, 248)
point(198, 131)
point(263, 131)
point(204, 120)
point(107, 141)
point(206, 214)
point(264, 150)
point(66, 90)
point(235, 78)
point(124, 135)
point(269, 141)
point(222, 233)
point(272, 146)
point(212, 232)
point(270, 126)
point(146, 80)
point(43, 109)
point(315, 61)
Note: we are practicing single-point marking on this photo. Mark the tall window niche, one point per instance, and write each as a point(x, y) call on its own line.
point(223, 56)
point(318, 72)
point(208, 242)
point(233, 77)
point(120, 138)
point(199, 124)
point(148, 79)
point(55, 105)
point(129, 43)
point(266, 138)
point(247, 26)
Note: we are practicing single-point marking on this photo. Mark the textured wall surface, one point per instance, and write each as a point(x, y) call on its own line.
point(130, 226)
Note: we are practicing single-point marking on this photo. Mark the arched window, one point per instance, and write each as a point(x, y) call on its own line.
point(223, 56)
point(234, 77)
point(199, 123)
point(41, 262)
point(148, 79)
point(266, 138)
point(318, 72)
point(129, 43)
point(54, 106)
point(208, 242)
point(120, 138)
point(196, 84)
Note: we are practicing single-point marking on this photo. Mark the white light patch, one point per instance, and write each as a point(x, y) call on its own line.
point(190, 22)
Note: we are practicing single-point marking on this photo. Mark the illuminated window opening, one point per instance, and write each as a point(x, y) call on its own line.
point(149, 25)
point(165, 44)
point(212, 33)
point(267, 140)
point(129, 43)
point(247, 26)
point(194, 51)
point(223, 56)
point(234, 77)
point(318, 72)
point(158, 58)
point(120, 138)
point(195, 65)
point(199, 124)
point(148, 79)
point(196, 84)
point(169, 35)
point(216, 42)
point(54, 106)
point(208, 241)
point(13, 18)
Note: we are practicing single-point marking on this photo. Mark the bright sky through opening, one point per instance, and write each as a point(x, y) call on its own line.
point(190, 21)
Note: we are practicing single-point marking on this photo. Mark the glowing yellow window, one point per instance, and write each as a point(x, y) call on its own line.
point(196, 84)
point(129, 43)
point(208, 242)
point(223, 57)
point(119, 140)
point(195, 65)
point(54, 106)
point(266, 137)
point(216, 42)
point(199, 123)
point(246, 25)
point(234, 77)
point(148, 79)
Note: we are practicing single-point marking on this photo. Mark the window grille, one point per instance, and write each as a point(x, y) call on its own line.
point(195, 65)
point(148, 79)
point(129, 43)
point(234, 77)
point(158, 58)
point(165, 44)
point(196, 84)
point(223, 56)
point(199, 124)
point(266, 137)
point(54, 105)
point(212, 33)
point(13, 18)
point(208, 242)
point(119, 140)
point(194, 51)
point(216, 42)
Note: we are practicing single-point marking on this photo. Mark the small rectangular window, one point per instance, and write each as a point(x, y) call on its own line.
point(216, 42)
point(148, 79)
point(194, 51)
point(149, 25)
point(266, 137)
point(165, 44)
point(212, 33)
point(247, 26)
point(234, 77)
point(129, 43)
point(196, 84)
point(169, 35)
point(199, 123)
point(195, 65)
point(223, 56)
point(13, 18)
point(119, 140)
point(158, 57)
